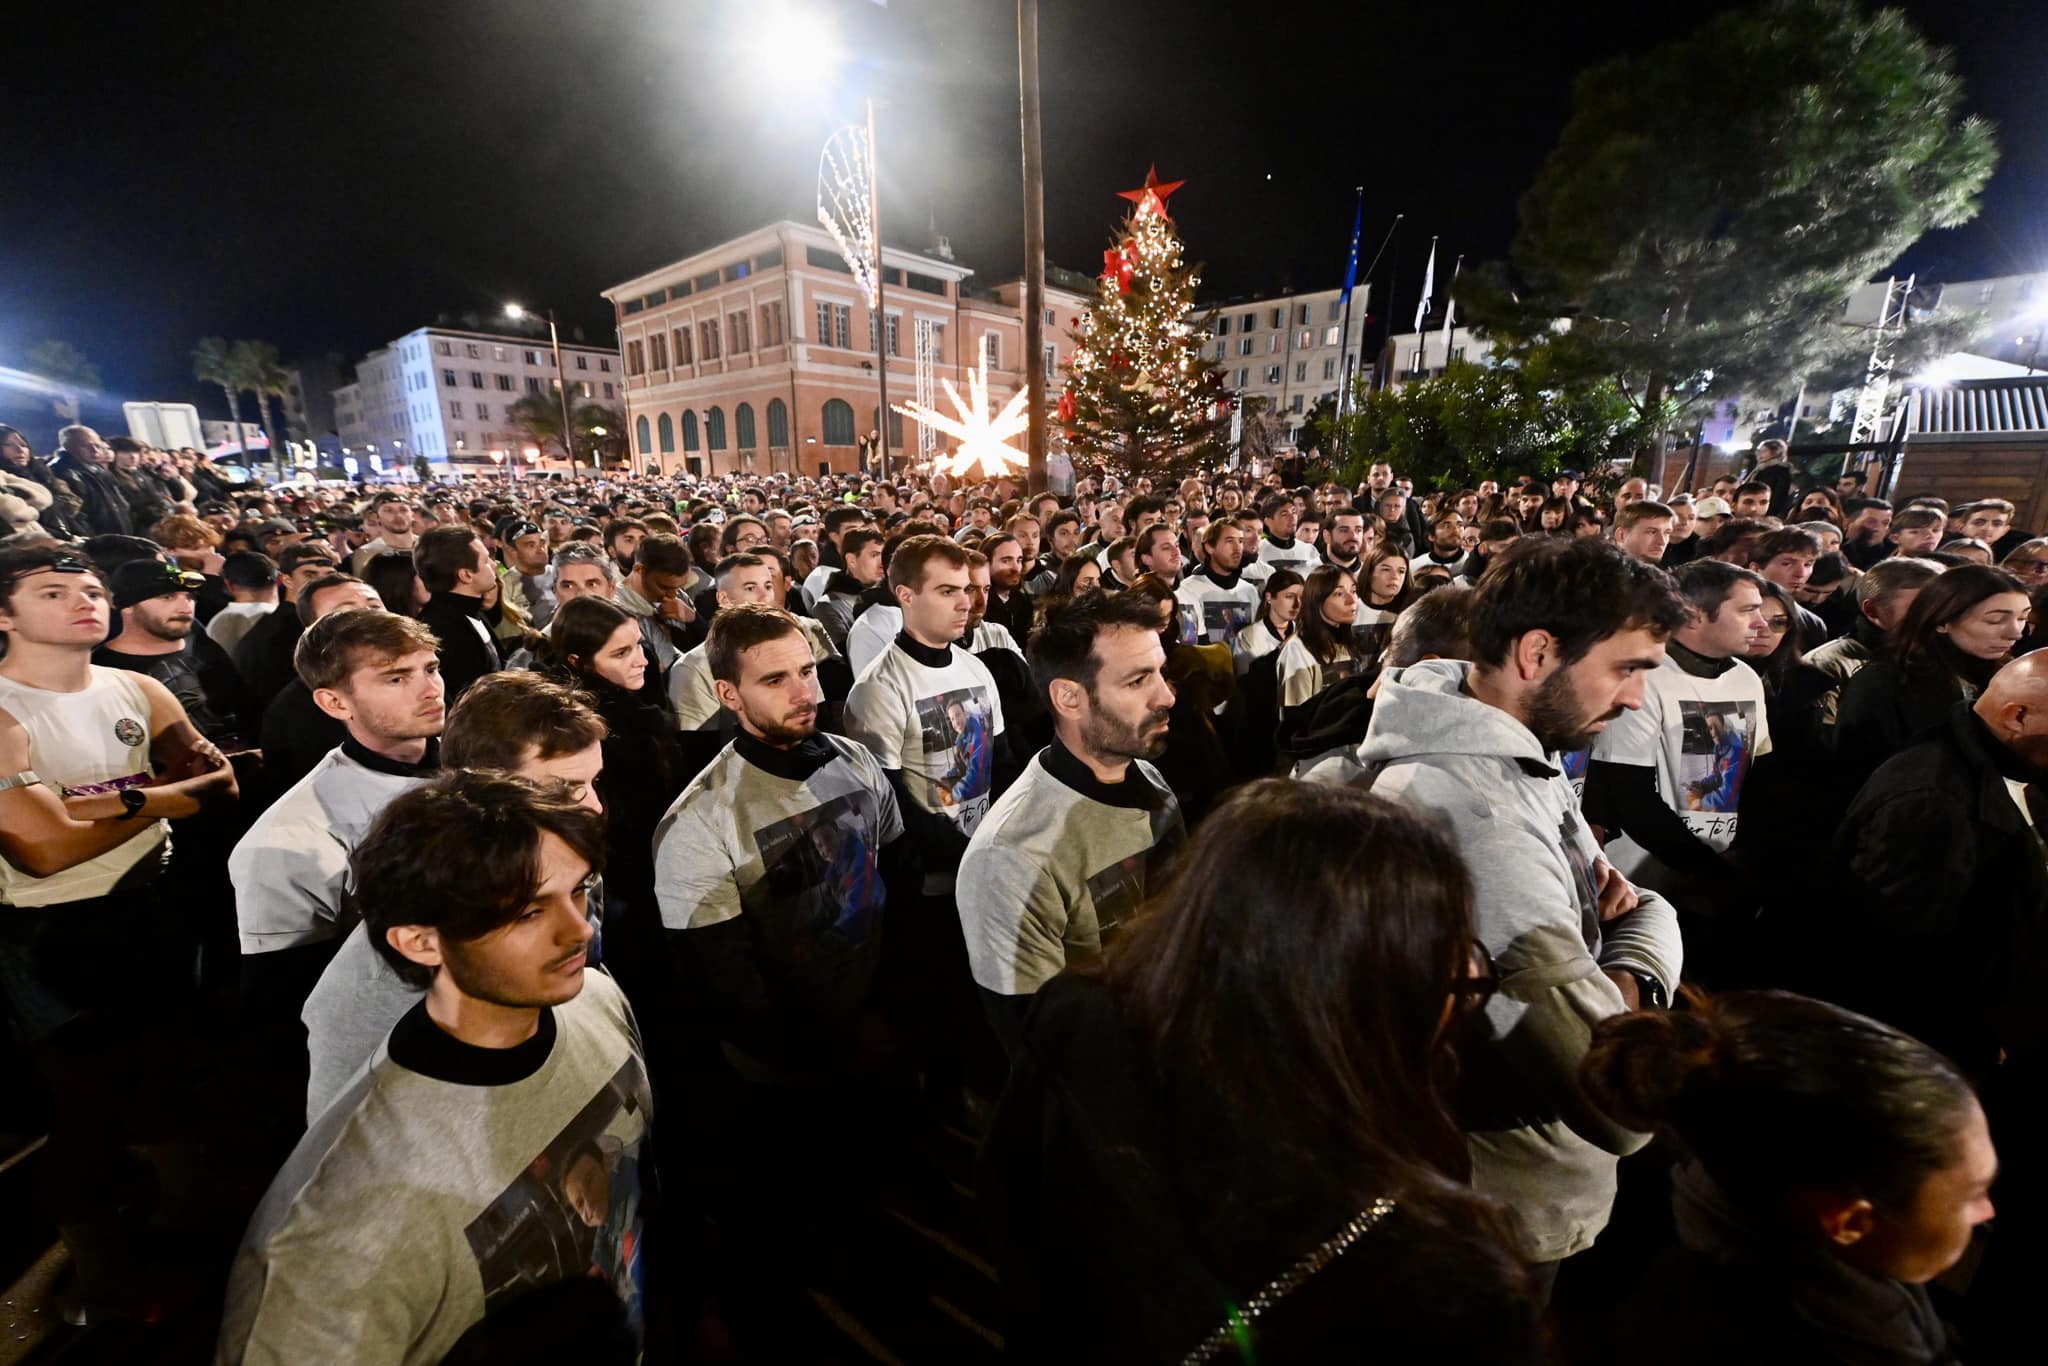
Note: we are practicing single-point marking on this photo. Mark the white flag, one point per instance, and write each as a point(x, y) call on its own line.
point(1451, 308)
point(1428, 284)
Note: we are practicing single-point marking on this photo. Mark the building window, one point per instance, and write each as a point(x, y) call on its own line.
point(1331, 335)
point(1306, 339)
point(1457, 353)
point(736, 332)
point(641, 440)
point(1273, 345)
point(483, 412)
point(604, 363)
point(1295, 404)
point(657, 351)
point(682, 335)
point(532, 357)
point(1301, 372)
point(707, 339)
point(835, 325)
point(441, 348)
point(1222, 327)
point(668, 434)
point(1276, 315)
point(992, 351)
point(838, 422)
point(1301, 316)
point(1244, 346)
point(1419, 362)
point(448, 378)
point(1272, 374)
point(1330, 367)
point(1243, 376)
point(533, 381)
point(455, 408)
point(778, 422)
point(497, 353)
point(607, 388)
point(689, 430)
point(1051, 363)
point(583, 388)
point(1248, 322)
point(1985, 291)
point(471, 348)
point(1336, 309)
point(504, 384)
point(714, 429)
point(743, 426)
point(583, 362)
point(771, 324)
point(476, 379)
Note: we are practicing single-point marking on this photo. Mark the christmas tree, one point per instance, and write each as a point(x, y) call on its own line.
point(1138, 395)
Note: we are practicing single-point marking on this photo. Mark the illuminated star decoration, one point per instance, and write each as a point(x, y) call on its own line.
point(984, 440)
point(1152, 195)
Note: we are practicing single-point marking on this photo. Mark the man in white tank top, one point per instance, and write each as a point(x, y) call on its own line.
point(93, 762)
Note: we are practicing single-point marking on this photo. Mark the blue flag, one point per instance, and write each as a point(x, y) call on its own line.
point(1351, 266)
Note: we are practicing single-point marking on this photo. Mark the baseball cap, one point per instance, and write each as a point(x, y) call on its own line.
point(141, 580)
point(1712, 507)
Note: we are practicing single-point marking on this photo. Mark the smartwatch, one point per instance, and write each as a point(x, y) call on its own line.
point(133, 799)
point(1651, 991)
point(28, 777)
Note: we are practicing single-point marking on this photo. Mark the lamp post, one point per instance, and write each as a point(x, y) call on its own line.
point(515, 312)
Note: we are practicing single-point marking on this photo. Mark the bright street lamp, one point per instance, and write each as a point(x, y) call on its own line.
point(514, 311)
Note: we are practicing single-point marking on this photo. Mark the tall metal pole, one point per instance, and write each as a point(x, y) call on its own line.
point(1340, 438)
point(881, 313)
point(1034, 243)
point(562, 390)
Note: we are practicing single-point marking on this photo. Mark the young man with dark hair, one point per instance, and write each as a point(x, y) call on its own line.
point(377, 674)
point(158, 638)
point(393, 515)
point(515, 1063)
point(94, 764)
point(1277, 547)
point(1865, 524)
point(1917, 530)
point(251, 580)
point(264, 658)
point(1666, 781)
point(1069, 852)
point(1063, 532)
point(1643, 529)
point(861, 550)
point(1563, 635)
point(1446, 547)
point(1786, 558)
point(622, 537)
point(769, 866)
point(1884, 594)
point(692, 690)
point(832, 549)
point(1157, 552)
point(1009, 606)
point(514, 722)
point(1753, 499)
point(457, 571)
point(1351, 539)
point(1218, 600)
point(654, 592)
point(928, 711)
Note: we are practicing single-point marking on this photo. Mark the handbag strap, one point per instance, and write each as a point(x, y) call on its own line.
point(1287, 1282)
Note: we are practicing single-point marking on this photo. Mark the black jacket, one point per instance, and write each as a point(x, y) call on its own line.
point(264, 657)
point(296, 735)
point(1014, 615)
point(1737, 1290)
point(1129, 1208)
point(1883, 709)
point(1939, 918)
point(104, 511)
point(468, 651)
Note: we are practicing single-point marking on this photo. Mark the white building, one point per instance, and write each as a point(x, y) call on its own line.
point(1289, 349)
point(447, 394)
point(1421, 355)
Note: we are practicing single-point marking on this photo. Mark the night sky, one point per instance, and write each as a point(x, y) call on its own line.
point(328, 176)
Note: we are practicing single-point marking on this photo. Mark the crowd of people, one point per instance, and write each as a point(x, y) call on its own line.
point(1337, 912)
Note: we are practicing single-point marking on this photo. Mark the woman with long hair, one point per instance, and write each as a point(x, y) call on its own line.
point(18, 460)
point(1243, 1103)
point(1833, 1167)
point(595, 645)
point(1554, 517)
point(397, 581)
point(1273, 627)
point(1326, 646)
point(1958, 632)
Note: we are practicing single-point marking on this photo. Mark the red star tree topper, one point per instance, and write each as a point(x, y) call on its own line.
point(1139, 396)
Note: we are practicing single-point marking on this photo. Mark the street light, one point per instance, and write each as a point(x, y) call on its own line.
point(515, 312)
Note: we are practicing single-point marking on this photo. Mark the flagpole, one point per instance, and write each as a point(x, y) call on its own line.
point(1450, 309)
point(1387, 332)
point(1343, 442)
point(1422, 312)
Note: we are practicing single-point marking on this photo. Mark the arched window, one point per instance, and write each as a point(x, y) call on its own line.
point(689, 430)
point(640, 431)
point(743, 426)
point(778, 422)
point(714, 429)
point(668, 435)
point(838, 417)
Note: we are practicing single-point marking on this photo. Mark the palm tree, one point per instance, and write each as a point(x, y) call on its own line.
point(68, 371)
point(213, 362)
point(538, 420)
point(260, 373)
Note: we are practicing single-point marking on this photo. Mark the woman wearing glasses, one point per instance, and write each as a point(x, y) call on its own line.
point(1232, 1129)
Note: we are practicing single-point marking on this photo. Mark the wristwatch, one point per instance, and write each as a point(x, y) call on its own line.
point(1650, 990)
point(133, 799)
point(28, 777)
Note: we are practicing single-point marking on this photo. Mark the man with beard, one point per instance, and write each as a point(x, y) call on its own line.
point(1217, 600)
point(158, 638)
point(527, 578)
point(377, 673)
point(1070, 850)
point(1563, 637)
point(1009, 606)
point(1351, 540)
point(429, 1196)
point(770, 866)
point(1446, 547)
point(393, 517)
point(1666, 781)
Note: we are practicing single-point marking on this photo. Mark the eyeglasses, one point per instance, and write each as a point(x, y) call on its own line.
point(1778, 625)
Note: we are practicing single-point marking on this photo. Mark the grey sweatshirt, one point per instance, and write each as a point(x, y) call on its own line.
point(1538, 1144)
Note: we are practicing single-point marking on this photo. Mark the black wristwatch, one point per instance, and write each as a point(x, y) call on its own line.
point(133, 799)
point(1650, 991)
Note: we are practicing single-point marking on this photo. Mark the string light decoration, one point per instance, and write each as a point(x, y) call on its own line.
point(1138, 395)
point(984, 440)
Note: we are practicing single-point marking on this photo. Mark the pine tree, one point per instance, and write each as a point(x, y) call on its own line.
point(1138, 395)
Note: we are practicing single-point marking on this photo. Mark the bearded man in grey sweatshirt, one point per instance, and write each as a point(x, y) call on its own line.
point(1563, 635)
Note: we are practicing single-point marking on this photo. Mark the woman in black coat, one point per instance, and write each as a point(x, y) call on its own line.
point(1960, 629)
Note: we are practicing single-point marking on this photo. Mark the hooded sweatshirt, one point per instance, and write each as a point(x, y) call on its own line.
point(1538, 1144)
